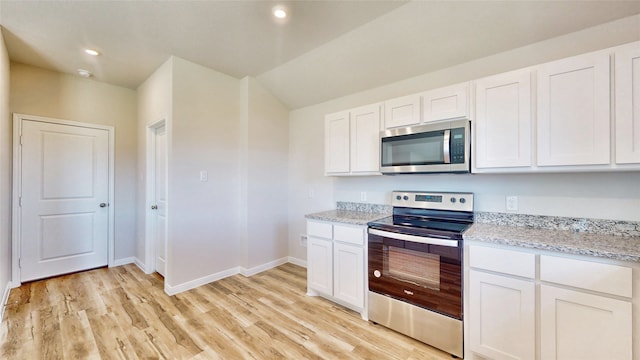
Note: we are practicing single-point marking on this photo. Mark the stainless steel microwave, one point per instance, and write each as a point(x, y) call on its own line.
point(442, 147)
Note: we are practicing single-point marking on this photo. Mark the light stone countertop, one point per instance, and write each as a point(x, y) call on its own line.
point(623, 248)
point(618, 240)
point(346, 216)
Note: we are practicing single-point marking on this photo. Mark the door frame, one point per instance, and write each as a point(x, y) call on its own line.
point(16, 220)
point(149, 242)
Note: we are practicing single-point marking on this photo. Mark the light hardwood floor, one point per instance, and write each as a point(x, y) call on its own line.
point(122, 313)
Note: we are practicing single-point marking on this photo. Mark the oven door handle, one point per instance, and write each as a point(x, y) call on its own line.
point(414, 238)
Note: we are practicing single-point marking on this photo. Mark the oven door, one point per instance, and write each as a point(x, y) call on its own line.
point(440, 147)
point(426, 272)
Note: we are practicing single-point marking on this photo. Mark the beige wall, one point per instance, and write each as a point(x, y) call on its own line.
point(236, 132)
point(35, 91)
point(5, 173)
point(605, 195)
point(203, 216)
point(265, 141)
point(154, 105)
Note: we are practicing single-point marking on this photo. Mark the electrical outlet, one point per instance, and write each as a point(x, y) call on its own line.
point(512, 203)
point(303, 240)
point(363, 196)
point(311, 193)
point(204, 176)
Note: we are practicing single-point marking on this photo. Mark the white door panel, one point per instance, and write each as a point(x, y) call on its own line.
point(65, 178)
point(160, 199)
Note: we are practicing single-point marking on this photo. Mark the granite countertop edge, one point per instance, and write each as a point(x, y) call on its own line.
point(560, 241)
point(346, 216)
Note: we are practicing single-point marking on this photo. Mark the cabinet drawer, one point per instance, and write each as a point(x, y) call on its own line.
point(349, 234)
point(605, 278)
point(505, 261)
point(319, 229)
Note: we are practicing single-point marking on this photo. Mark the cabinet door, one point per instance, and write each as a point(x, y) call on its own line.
point(337, 143)
point(348, 274)
point(575, 325)
point(320, 265)
point(627, 95)
point(450, 102)
point(365, 139)
point(502, 316)
point(404, 111)
point(503, 128)
point(573, 111)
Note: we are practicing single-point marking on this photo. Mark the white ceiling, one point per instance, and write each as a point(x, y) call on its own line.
point(326, 49)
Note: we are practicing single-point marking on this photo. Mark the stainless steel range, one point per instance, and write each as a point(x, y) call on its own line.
point(415, 267)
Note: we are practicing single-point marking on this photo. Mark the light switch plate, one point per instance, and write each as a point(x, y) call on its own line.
point(512, 203)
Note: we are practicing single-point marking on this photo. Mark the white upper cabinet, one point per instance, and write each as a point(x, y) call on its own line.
point(627, 95)
point(574, 111)
point(401, 112)
point(503, 121)
point(451, 102)
point(352, 141)
point(365, 139)
point(337, 143)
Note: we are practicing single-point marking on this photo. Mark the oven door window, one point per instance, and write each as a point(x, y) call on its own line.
point(410, 266)
point(413, 149)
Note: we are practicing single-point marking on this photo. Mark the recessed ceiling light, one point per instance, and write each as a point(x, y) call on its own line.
point(92, 52)
point(279, 12)
point(84, 73)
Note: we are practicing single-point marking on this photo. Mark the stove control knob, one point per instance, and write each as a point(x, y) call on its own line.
point(453, 200)
point(463, 200)
point(376, 273)
point(398, 197)
point(406, 198)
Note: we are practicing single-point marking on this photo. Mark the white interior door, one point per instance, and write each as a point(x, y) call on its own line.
point(64, 199)
point(159, 206)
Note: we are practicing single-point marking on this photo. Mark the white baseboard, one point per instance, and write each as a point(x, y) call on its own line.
point(296, 261)
point(172, 290)
point(123, 261)
point(5, 299)
point(264, 267)
point(140, 265)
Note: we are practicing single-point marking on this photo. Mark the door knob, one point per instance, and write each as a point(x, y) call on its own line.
point(103, 204)
point(154, 207)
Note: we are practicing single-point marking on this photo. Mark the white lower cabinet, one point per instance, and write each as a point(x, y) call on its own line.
point(577, 325)
point(348, 273)
point(502, 316)
point(320, 264)
point(502, 305)
point(336, 263)
point(582, 309)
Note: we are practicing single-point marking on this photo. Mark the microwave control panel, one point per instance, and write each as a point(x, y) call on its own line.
point(456, 147)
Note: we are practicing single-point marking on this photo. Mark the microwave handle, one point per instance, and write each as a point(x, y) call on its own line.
point(445, 146)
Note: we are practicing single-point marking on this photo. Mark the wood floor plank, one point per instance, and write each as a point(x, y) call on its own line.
point(123, 313)
point(77, 339)
point(106, 333)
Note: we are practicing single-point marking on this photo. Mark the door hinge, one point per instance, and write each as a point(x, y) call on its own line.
point(19, 201)
point(20, 139)
point(20, 263)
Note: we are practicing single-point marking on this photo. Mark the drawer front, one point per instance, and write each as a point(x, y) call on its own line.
point(319, 229)
point(349, 234)
point(605, 278)
point(504, 261)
